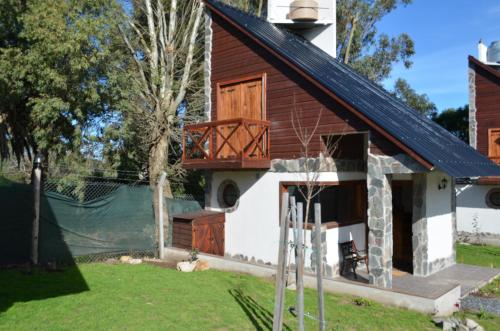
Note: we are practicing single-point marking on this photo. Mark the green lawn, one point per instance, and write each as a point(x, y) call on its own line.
point(145, 297)
point(486, 256)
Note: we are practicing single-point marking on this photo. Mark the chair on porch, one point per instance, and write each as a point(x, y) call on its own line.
point(351, 256)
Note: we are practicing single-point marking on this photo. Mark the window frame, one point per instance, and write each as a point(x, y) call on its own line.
point(488, 198)
point(223, 83)
point(283, 187)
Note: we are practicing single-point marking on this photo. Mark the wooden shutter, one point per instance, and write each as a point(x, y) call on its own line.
point(494, 145)
point(243, 99)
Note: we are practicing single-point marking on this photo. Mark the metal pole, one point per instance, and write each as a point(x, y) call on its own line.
point(279, 298)
point(300, 265)
point(161, 240)
point(319, 265)
point(37, 178)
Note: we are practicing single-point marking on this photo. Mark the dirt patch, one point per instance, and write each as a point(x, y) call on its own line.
point(162, 264)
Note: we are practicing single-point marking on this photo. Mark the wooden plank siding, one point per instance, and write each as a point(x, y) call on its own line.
point(487, 105)
point(235, 55)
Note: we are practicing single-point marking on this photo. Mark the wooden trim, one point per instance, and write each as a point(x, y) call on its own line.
point(242, 79)
point(379, 129)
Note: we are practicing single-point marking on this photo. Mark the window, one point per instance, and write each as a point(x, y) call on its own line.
point(349, 146)
point(341, 203)
point(228, 194)
point(494, 145)
point(493, 198)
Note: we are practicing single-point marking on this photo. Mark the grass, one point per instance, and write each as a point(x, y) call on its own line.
point(146, 297)
point(485, 256)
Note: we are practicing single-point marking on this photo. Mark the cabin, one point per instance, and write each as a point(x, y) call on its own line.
point(386, 173)
point(478, 199)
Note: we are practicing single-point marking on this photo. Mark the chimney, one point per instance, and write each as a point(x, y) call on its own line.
point(312, 19)
point(482, 50)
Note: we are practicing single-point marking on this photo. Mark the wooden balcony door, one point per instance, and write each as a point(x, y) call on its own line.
point(241, 99)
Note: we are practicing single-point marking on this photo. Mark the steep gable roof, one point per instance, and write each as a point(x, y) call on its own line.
point(424, 140)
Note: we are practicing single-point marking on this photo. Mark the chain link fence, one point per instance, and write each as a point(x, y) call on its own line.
point(90, 219)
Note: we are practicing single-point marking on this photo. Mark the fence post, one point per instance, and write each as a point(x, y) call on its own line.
point(161, 239)
point(37, 178)
point(300, 266)
point(279, 298)
point(319, 265)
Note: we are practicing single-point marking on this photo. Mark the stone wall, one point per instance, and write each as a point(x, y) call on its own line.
point(207, 70)
point(419, 226)
point(472, 109)
point(379, 170)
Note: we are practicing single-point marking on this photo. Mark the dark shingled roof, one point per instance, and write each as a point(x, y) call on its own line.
point(426, 138)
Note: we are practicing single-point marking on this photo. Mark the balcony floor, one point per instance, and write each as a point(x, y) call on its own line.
point(223, 164)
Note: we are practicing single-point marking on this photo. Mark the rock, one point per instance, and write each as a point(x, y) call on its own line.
point(186, 266)
point(135, 261)
point(125, 259)
point(111, 261)
point(201, 265)
point(448, 326)
point(473, 325)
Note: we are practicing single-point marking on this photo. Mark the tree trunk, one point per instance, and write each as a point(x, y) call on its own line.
point(158, 161)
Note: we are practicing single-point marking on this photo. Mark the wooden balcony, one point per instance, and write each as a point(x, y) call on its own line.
point(238, 143)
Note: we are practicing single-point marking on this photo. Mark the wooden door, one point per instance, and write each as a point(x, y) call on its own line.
point(402, 205)
point(209, 238)
point(238, 100)
point(494, 145)
point(229, 108)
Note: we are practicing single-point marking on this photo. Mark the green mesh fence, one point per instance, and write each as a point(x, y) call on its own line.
point(16, 206)
point(93, 221)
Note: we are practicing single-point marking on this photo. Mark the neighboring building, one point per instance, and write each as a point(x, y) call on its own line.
point(388, 186)
point(478, 200)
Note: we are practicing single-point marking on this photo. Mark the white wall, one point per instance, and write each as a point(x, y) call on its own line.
point(471, 204)
point(252, 229)
point(439, 217)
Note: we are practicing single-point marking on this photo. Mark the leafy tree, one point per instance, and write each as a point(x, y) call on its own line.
point(455, 120)
point(419, 102)
point(360, 45)
point(56, 73)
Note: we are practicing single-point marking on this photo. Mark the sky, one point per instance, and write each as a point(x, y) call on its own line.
point(445, 32)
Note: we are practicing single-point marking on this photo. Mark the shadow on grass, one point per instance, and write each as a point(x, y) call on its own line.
point(19, 282)
point(260, 317)
point(23, 285)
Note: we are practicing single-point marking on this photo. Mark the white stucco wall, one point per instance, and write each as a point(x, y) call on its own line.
point(252, 229)
point(471, 205)
point(439, 217)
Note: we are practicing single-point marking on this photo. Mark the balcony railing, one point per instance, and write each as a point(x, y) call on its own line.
point(235, 143)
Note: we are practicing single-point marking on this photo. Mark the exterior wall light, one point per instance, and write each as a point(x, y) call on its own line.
point(442, 184)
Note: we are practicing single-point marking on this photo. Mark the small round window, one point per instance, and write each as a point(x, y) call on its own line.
point(228, 194)
point(493, 198)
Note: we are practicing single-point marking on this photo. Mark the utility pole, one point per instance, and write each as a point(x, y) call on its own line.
point(37, 179)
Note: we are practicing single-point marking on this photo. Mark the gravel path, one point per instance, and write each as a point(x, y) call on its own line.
point(473, 302)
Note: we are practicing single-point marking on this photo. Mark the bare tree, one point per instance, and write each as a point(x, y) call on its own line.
point(164, 42)
point(307, 186)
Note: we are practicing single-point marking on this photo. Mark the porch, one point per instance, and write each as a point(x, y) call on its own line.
point(437, 294)
point(469, 277)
